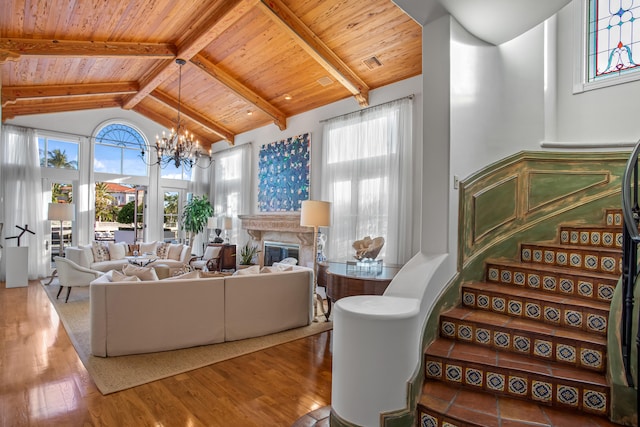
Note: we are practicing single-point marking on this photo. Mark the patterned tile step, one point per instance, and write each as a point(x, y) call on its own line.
point(603, 260)
point(559, 280)
point(513, 375)
point(608, 237)
point(613, 217)
point(526, 337)
point(559, 310)
point(443, 404)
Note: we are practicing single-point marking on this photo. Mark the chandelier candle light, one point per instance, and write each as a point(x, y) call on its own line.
point(179, 147)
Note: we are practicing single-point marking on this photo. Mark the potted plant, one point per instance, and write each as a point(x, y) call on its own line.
point(195, 215)
point(247, 252)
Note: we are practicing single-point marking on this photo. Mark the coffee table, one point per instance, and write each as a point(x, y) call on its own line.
point(141, 260)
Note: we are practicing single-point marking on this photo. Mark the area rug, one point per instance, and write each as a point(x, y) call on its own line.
point(112, 374)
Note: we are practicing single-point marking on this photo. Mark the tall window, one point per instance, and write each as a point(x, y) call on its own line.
point(614, 37)
point(367, 174)
point(232, 184)
point(57, 153)
point(118, 150)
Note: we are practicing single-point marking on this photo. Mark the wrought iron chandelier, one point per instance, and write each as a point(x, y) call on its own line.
point(180, 148)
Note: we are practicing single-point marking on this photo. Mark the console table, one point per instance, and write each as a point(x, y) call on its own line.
point(341, 282)
point(227, 256)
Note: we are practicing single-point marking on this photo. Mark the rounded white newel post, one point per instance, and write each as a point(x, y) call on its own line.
point(375, 352)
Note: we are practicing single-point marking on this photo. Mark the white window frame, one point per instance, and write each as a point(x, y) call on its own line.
point(581, 81)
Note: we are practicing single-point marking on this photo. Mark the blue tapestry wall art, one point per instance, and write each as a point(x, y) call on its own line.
point(283, 172)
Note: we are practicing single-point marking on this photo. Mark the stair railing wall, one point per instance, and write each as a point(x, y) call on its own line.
point(631, 240)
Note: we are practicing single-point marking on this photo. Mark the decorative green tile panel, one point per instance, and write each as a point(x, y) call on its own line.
point(495, 206)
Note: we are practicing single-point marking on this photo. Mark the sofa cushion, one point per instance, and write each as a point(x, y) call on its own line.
point(87, 253)
point(174, 251)
point(148, 247)
point(100, 252)
point(254, 269)
point(117, 250)
point(105, 278)
point(189, 275)
point(144, 273)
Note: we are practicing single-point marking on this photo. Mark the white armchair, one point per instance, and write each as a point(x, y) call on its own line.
point(210, 258)
point(71, 274)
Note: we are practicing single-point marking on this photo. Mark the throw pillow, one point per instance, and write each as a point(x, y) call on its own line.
point(119, 277)
point(254, 269)
point(189, 275)
point(117, 250)
point(144, 273)
point(100, 252)
point(174, 251)
point(162, 250)
point(148, 248)
point(213, 274)
point(282, 267)
point(105, 278)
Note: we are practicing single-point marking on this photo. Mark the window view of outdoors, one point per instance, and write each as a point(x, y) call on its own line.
point(58, 154)
point(116, 212)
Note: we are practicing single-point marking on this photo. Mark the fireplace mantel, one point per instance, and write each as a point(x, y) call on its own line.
point(284, 227)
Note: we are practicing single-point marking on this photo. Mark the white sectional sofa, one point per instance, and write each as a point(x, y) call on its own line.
point(105, 256)
point(150, 316)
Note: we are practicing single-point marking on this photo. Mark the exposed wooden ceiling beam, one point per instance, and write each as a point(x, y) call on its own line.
point(218, 20)
point(279, 118)
point(194, 115)
point(166, 122)
point(75, 104)
point(77, 48)
point(315, 47)
point(11, 94)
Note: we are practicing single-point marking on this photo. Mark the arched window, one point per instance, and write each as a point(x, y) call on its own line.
point(119, 149)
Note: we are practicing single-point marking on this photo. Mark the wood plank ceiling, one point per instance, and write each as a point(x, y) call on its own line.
point(249, 62)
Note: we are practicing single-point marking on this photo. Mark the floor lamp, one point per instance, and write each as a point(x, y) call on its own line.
point(315, 213)
point(60, 212)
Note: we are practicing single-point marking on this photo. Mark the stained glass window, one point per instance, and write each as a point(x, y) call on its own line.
point(614, 37)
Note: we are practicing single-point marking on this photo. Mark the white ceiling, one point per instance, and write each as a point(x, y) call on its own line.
point(494, 21)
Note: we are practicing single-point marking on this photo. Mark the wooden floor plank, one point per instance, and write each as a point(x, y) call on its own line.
point(43, 382)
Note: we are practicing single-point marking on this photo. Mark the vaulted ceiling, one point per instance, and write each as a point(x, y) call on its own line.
point(249, 63)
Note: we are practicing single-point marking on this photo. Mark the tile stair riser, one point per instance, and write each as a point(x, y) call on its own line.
point(576, 285)
point(582, 259)
point(428, 418)
point(573, 317)
point(605, 238)
point(613, 217)
point(539, 388)
point(569, 352)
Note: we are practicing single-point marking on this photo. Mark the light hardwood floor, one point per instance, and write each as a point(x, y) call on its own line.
point(43, 382)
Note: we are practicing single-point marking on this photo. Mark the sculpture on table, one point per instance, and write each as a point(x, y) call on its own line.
point(368, 248)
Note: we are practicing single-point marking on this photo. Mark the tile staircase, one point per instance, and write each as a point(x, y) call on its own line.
point(528, 345)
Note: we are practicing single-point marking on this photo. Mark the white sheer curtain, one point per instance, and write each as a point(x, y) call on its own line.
point(199, 186)
point(21, 196)
point(232, 187)
point(367, 175)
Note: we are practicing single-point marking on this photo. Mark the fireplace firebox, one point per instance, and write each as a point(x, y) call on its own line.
point(277, 251)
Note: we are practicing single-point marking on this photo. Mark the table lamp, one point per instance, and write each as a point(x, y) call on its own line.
point(315, 213)
point(61, 212)
point(228, 225)
point(212, 223)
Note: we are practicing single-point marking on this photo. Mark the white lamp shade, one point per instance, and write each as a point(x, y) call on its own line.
point(315, 213)
point(212, 222)
point(61, 212)
point(228, 223)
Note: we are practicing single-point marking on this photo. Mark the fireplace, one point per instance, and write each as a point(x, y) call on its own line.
point(282, 228)
point(277, 251)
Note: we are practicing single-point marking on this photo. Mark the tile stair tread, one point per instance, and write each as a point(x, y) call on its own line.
point(553, 269)
point(584, 227)
point(537, 295)
point(465, 353)
point(486, 409)
point(490, 318)
point(555, 245)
